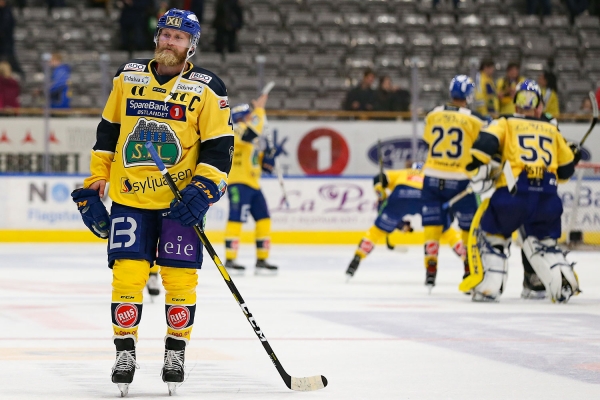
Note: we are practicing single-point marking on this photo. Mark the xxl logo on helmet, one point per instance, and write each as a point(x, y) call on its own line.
point(174, 21)
point(165, 142)
point(396, 152)
point(156, 109)
point(178, 317)
point(126, 315)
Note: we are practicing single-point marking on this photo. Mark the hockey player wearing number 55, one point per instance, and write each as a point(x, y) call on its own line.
point(539, 158)
point(450, 130)
point(183, 110)
point(250, 159)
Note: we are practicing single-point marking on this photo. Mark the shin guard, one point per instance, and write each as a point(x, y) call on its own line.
point(180, 300)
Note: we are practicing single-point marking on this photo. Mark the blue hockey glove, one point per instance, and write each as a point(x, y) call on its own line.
point(93, 212)
point(270, 154)
point(197, 196)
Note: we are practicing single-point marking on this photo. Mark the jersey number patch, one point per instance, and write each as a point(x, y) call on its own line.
point(456, 139)
point(531, 147)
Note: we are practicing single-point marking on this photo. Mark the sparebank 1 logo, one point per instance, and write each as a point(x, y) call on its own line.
point(165, 142)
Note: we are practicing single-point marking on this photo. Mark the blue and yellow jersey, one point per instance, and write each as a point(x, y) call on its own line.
point(550, 102)
point(486, 97)
point(534, 147)
point(192, 132)
point(506, 102)
point(404, 177)
point(247, 157)
point(450, 132)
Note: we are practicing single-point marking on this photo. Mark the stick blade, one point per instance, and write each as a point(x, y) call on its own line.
point(594, 101)
point(309, 383)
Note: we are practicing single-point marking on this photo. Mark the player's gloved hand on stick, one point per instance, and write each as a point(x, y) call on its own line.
point(93, 212)
point(481, 178)
point(270, 154)
point(197, 196)
point(576, 152)
point(380, 192)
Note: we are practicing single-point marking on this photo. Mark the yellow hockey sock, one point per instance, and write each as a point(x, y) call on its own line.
point(263, 238)
point(233, 230)
point(368, 242)
point(432, 235)
point(154, 269)
point(129, 280)
point(180, 300)
point(455, 241)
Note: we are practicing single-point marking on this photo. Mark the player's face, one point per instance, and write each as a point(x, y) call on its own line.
point(172, 46)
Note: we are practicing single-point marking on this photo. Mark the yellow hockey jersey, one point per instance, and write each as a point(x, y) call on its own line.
point(535, 149)
point(550, 102)
point(405, 177)
point(192, 132)
point(506, 102)
point(247, 156)
point(450, 132)
point(486, 98)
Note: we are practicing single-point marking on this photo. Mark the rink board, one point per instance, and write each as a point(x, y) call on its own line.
point(322, 210)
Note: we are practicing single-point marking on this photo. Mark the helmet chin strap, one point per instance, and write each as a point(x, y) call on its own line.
point(190, 53)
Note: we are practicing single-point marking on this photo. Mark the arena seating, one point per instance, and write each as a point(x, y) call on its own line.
point(317, 49)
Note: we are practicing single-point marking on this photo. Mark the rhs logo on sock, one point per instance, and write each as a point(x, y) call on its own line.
point(178, 317)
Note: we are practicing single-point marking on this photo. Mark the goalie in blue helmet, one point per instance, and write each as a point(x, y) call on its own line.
point(450, 130)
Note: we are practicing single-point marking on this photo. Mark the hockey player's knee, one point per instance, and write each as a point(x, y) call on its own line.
point(495, 267)
point(129, 279)
point(179, 280)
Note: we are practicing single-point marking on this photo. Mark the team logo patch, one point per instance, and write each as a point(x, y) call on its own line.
point(134, 67)
point(174, 21)
point(195, 76)
point(178, 317)
point(193, 88)
point(156, 109)
point(165, 142)
point(223, 103)
point(126, 186)
point(136, 79)
point(126, 315)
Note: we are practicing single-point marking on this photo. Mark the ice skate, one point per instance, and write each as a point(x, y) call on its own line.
point(232, 266)
point(264, 268)
point(352, 267)
point(125, 365)
point(533, 288)
point(153, 285)
point(173, 368)
point(430, 275)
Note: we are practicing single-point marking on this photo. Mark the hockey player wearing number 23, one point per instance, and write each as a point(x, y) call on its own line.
point(539, 158)
point(183, 110)
point(450, 131)
point(252, 156)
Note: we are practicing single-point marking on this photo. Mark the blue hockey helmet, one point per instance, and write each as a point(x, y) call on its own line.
point(462, 88)
point(182, 20)
point(528, 95)
point(417, 165)
point(239, 112)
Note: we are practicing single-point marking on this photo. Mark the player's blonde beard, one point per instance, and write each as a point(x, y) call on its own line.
point(169, 59)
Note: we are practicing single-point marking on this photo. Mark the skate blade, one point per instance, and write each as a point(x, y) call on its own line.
point(124, 388)
point(429, 288)
point(172, 386)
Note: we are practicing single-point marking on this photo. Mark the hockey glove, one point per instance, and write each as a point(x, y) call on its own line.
point(482, 178)
point(93, 212)
point(576, 152)
point(270, 154)
point(197, 196)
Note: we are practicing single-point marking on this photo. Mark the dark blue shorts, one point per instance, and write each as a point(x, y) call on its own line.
point(140, 234)
point(438, 191)
point(539, 213)
point(243, 200)
point(404, 200)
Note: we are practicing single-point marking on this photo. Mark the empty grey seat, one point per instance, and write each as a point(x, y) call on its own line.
point(329, 20)
point(300, 19)
point(569, 64)
point(64, 15)
point(470, 22)
point(297, 104)
point(328, 103)
point(336, 42)
point(392, 42)
point(267, 19)
point(377, 7)
point(446, 63)
point(307, 84)
point(587, 22)
point(557, 23)
point(357, 21)
point(250, 41)
point(35, 13)
point(528, 24)
point(537, 46)
point(575, 86)
point(278, 42)
point(308, 42)
point(443, 22)
point(385, 22)
point(502, 23)
point(414, 22)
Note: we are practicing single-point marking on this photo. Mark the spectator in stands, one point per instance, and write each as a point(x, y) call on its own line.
point(486, 99)
point(577, 7)
point(506, 88)
point(9, 95)
point(7, 40)
point(586, 107)
point(229, 19)
point(134, 23)
point(362, 97)
point(547, 82)
point(60, 91)
point(534, 5)
point(385, 95)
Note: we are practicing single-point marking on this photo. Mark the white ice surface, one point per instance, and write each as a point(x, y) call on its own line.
point(379, 336)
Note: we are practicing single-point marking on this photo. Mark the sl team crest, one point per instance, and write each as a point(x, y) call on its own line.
point(163, 137)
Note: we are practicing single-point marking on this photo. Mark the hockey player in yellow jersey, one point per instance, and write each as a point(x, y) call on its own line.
point(404, 198)
point(250, 159)
point(506, 87)
point(538, 157)
point(450, 130)
point(486, 98)
point(183, 110)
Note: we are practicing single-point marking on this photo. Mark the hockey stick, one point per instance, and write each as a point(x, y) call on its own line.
point(301, 384)
point(594, 118)
point(469, 189)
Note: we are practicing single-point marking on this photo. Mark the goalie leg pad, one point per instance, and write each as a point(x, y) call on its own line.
point(495, 267)
point(549, 263)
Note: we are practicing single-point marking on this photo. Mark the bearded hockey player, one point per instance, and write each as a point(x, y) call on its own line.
point(183, 110)
point(539, 158)
point(404, 199)
point(450, 131)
